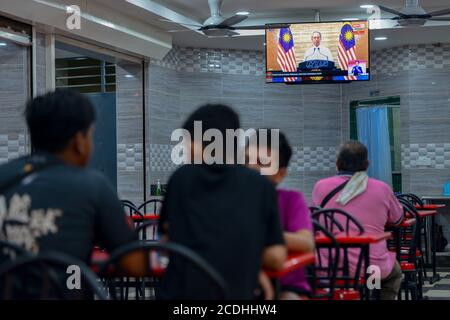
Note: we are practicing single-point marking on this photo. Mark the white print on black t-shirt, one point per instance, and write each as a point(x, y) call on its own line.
point(23, 227)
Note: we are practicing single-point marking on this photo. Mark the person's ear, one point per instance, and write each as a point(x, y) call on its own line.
point(81, 143)
point(282, 173)
point(366, 164)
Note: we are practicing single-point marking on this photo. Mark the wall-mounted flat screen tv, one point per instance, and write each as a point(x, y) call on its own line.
point(322, 52)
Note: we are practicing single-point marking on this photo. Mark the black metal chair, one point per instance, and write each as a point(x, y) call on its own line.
point(155, 204)
point(314, 209)
point(133, 212)
point(322, 275)
point(129, 202)
point(143, 228)
point(412, 198)
point(158, 256)
point(150, 210)
point(339, 221)
point(410, 255)
point(45, 277)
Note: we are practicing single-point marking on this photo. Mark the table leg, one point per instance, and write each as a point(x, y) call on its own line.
point(435, 277)
point(366, 265)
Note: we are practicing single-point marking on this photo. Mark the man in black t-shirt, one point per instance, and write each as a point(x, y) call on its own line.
point(225, 213)
point(50, 201)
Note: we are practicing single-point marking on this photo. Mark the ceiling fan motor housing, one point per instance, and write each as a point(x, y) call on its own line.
point(216, 13)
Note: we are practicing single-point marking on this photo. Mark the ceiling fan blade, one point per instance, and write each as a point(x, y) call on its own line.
point(376, 19)
point(181, 23)
point(393, 11)
point(218, 33)
point(174, 31)
point(234, 20)
point(263, 27)
point(439, 19)
point(439, 13)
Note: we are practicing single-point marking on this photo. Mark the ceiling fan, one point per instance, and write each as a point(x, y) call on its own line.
point(414, 15)
point(219, 26)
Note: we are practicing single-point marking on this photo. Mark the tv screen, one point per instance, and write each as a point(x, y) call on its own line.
point(323, 52)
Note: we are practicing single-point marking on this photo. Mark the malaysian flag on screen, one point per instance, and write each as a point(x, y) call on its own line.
point(286, 53)
point(347, 44)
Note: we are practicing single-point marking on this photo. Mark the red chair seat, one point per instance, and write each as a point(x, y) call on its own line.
point(341, 294)
point(147, 217)
point(407, 266)
point(341, 283)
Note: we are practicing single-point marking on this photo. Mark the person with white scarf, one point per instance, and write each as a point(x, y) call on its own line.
point(371, 202)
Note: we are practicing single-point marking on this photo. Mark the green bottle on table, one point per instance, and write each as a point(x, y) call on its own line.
point(158, 188)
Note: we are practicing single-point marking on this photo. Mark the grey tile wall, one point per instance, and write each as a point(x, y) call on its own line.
point(419, 76)
point(130, 139)
point(41, 64)
point(14, 87)
point(14, 92)
point(188, 78)
point(12, 146)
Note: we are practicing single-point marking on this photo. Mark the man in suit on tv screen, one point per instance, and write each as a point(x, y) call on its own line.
point(318, 51)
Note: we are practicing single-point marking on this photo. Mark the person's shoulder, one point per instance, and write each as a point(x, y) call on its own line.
point(327, 181)
point(252, 175)
point(380, 185)
point(184, 171)
point(87, 178)
point(12, 168)
point(290, 193)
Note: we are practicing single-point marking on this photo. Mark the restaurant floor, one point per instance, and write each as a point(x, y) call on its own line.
point(439, 290)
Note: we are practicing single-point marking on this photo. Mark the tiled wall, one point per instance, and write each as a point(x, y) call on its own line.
point(41, 64)
point(419, 76)
point(188, 78)
point(14, 92)
point(130, 140)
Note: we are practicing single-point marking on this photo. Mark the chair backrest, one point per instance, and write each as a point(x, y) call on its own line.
point(152, 206)
point(47, 277)
point(131, 210)
point(154, 251)
point(337, 220)
point(322, 275)
point(314, 209)
point(143, 231)
point(410, 238)
point(415, 200)
point(129, 202)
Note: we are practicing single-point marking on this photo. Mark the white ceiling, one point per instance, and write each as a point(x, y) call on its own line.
point(269, 11)
point(269, 8)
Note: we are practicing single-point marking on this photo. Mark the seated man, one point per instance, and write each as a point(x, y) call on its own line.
point(295, 220)
point(371, 202)
point(227, 213)
point(50, 201)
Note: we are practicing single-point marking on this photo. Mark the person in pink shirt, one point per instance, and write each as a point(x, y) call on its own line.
point(371, 202)
point(295, 218)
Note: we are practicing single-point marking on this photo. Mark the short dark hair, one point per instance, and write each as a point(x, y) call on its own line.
point(213, 116)
point(285, 149)
point(53, 119)
point(353, 156)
